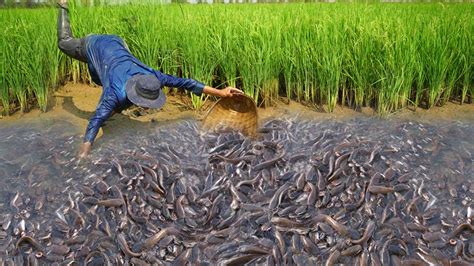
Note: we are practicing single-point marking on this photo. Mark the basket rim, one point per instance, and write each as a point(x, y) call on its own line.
point(255, 109)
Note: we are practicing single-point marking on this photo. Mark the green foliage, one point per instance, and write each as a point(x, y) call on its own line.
point(386, 56)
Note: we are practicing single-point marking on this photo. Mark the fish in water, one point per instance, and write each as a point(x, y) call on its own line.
point(301, 192)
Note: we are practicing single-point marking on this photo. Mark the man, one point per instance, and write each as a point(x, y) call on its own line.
point(124, 79)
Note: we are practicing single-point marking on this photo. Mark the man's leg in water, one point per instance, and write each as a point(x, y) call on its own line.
point(69, 45)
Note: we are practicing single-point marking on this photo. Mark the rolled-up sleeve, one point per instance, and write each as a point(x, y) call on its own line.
point(191, 85)
point(104, 110)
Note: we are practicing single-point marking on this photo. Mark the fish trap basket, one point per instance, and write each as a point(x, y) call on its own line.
point(236, 113)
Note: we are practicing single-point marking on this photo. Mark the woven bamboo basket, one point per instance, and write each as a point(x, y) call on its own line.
point(235, 113)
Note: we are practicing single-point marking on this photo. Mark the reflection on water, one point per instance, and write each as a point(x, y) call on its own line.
point(303, 192)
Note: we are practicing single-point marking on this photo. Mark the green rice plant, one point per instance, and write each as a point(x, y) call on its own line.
point(226, 45)
point(438, 57)
point(198, 65)
point(294, 49)
point(398, 68)
point(419, 68)
point(49, 67)
point(4, 89)
point(329, 63)
point(258, 67)
point(382, 55)
point(458, 73)
point(358, 58)
point(467, 80)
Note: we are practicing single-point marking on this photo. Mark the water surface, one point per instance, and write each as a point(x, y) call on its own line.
point(218, 191)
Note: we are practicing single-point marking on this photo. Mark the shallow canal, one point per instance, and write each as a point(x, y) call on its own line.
point(303, 192)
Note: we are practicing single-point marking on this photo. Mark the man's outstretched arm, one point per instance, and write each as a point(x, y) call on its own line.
point(227, 92)
point(195, 86)
point(102, 113)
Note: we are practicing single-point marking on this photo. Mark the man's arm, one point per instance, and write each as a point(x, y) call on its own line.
point(227, 92)
point(103, 112)
point(195, 86)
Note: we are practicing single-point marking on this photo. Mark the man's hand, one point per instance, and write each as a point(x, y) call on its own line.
point(230, 91)
point(62, 2)
point(85, 149)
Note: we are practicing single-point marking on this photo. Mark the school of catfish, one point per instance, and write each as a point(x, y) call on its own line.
point(358, 192)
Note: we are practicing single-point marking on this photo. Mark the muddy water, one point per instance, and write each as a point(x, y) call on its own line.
point(303, 192)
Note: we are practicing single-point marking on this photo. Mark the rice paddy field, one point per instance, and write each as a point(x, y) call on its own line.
point(308, 188)
point(386, 56)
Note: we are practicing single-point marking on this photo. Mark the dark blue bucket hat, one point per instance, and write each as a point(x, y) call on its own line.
point(145, 91)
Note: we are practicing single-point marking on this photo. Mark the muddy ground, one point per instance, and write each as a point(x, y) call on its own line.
point(80, 100)
point(76, 103)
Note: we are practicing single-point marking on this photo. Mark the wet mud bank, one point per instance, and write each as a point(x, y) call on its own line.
point(77, 102)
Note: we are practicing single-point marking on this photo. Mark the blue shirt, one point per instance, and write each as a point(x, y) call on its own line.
point(110, 65)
